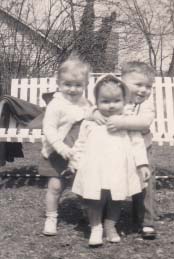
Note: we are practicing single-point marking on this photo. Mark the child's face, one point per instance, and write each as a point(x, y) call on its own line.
point(110, 100)
point(139, 85)
point(72, 84)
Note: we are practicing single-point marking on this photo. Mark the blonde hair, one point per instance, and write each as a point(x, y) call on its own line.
point(139, 67)
point(74, 63)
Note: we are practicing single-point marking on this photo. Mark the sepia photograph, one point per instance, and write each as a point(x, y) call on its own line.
point(87, 129)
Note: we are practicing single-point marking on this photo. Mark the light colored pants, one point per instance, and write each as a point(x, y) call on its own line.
point(144, 202)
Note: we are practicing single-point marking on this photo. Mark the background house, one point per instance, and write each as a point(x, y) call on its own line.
point(24, 51)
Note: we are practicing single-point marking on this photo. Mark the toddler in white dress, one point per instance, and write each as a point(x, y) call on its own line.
point(109, 165)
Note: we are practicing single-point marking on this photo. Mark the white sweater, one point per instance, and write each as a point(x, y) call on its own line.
point(59, 117)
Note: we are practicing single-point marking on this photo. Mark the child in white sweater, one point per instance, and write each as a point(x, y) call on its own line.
point(66, 108)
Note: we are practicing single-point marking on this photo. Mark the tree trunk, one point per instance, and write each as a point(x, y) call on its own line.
point(171, 67)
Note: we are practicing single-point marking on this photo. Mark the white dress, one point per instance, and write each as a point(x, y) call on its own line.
point(105, 161)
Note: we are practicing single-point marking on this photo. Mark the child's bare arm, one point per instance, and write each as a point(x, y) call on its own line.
point(137, 122)
point(130, 122)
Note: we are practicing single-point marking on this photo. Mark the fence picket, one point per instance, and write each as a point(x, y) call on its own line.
point(33, 91)
point(159, 106)
point(169, 108)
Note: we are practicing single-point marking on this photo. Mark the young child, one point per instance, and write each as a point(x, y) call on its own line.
point(107, 162)
point(66, 108)
point(139, 77)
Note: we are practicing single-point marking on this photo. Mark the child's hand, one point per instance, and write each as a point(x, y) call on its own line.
point(68, 173)
point(129, 109)
point(67, 153)
point(145, 172)
point(72, 167)
point(112, 123)
point(98, 118)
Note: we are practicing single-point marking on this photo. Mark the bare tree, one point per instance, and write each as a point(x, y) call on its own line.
point(35, 46)
point(145, 30)
point(26, 44)
point(170, 12)
point(89, 37)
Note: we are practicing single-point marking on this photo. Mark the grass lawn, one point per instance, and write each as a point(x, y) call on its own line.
point(22, 217)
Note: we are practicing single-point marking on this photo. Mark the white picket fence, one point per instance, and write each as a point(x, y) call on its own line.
point(163, 97)
point(32, 89)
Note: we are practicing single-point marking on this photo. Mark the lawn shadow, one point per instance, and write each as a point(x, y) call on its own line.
point(73, 212)
point(23, 176)
point(125, 225)
point(165, 183)
point(168, 216)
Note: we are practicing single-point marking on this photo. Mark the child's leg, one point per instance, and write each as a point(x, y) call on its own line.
point(95, 215)
point(143, 210)
point(149, 196)
point(53, 194)
point(53, 166)
point(113, 209)
point(138, 209)
point(52, 197)
point(148, 230)
point(143, 206)
point(95, 209)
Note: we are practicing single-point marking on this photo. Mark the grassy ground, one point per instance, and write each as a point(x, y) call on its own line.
point(22, 218)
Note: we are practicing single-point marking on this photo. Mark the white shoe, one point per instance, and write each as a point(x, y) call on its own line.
point(115, 238)
point(50, 228)
point(112, 235)
point(96, 237)
point(148, 233)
